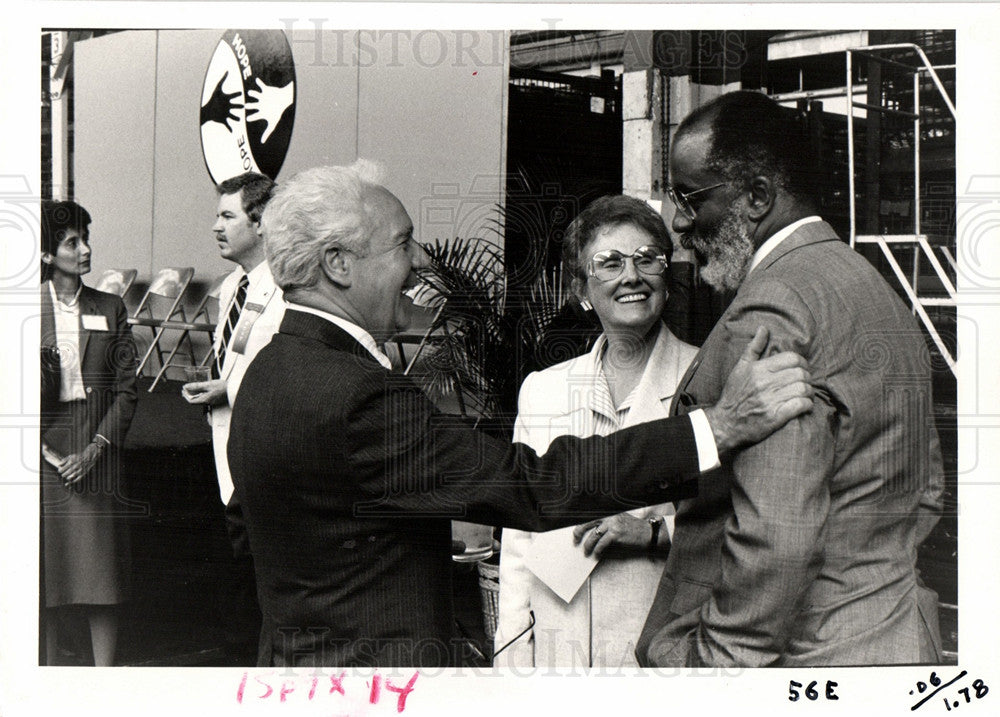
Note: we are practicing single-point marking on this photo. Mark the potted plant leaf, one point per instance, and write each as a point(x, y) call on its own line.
point(489, 329)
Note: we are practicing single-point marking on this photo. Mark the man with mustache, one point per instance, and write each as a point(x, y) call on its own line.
point(804, 554)
point(250, 311)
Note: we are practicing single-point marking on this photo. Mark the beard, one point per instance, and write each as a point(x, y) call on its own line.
point(726, 251)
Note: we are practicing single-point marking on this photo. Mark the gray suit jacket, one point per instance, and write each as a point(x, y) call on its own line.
point(805, 554)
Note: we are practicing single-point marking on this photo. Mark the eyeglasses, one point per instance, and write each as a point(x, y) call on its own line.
point(609, 265)
point(408, 243)
point(682, 200)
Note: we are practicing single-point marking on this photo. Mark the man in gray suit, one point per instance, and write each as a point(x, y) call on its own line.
point(805, 554)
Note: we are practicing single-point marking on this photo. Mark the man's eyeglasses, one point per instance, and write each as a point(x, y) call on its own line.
point(682, 200)
point(408, 242)
point(609, 265)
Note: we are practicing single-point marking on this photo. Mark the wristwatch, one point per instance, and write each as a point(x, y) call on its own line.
point(654, 525)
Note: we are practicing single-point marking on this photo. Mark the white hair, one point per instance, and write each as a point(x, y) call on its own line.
point(314, 210)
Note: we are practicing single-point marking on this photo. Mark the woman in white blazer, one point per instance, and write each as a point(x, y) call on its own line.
point(617, 251)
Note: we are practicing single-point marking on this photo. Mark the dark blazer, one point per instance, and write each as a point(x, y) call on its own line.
point(107, 362)
point(349, 478)
point(805, 554)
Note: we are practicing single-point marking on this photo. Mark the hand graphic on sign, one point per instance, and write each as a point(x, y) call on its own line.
point(268, 104)
point(220, 107)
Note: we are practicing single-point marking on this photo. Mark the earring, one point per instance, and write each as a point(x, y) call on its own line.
point(47, 258)
point(586, 305)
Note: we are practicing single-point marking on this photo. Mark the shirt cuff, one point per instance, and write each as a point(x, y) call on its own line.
point(708, 452)
point(105, 443)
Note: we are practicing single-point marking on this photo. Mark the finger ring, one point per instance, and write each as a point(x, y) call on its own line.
point(599, 531)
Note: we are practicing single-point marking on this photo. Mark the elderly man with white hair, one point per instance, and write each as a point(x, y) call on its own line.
point(349, 476)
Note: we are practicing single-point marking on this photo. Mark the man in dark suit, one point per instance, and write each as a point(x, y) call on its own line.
point(803, 552)
point(348, 475)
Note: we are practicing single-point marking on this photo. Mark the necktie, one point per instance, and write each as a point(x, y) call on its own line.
point(239, 299)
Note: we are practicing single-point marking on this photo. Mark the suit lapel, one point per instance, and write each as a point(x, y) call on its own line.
point(88, 306)
point(681, 400)
point(50, 367)
point(811, 233)
point(311, 326)
point(259, 296)
point(806, 235)
point(657, 382)
point(48, 327)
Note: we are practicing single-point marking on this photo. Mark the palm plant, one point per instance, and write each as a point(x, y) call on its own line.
point(488, 328)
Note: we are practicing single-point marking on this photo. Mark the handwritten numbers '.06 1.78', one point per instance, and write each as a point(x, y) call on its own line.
point(952, 695)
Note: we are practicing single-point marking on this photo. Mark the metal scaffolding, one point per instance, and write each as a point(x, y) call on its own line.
point(917, 240)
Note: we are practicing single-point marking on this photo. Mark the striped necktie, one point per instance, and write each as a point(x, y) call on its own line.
point(239, 299)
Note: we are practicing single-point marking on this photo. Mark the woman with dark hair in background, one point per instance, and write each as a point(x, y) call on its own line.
point(88, 396)
point(618, 251)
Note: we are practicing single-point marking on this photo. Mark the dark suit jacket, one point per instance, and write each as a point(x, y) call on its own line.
point(806, 554)
point(349, 478)
point(107, 362)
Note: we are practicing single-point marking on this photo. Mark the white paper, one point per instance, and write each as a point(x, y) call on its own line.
point(558, 563)
point(51, 457)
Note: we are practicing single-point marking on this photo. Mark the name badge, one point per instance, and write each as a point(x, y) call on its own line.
point(249, 315)
point(93, 322)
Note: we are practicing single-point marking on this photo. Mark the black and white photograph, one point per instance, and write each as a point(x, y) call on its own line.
point(452, 358)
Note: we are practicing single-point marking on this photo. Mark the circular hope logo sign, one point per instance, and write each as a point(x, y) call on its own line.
point(248, 104)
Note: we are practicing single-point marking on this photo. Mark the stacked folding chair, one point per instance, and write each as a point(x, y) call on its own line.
point(202, 321)
point(163, 301)
point(116, 281)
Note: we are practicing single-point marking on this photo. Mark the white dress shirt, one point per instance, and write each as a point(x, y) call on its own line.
point(360, 335)
point(778, 237)
point(67, 318)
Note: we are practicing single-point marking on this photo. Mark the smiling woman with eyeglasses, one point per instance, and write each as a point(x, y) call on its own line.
point(618, 253)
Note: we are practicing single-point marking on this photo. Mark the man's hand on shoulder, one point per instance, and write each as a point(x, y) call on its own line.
point(760, 396)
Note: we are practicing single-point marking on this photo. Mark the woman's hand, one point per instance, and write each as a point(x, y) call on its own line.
point(76, 466)
point(622, 529)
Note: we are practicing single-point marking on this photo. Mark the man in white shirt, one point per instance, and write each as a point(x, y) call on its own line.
point(250, 311)
point(349, 477)
point(803, 551)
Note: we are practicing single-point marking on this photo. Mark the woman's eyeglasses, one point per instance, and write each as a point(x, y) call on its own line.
point(682, 200)
point(609, 265)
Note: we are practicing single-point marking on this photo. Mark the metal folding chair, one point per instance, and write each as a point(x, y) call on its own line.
point(116, 281)
point(162, 302)
point(203, 320)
